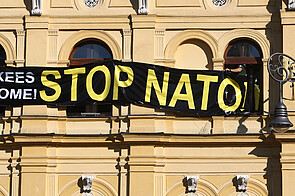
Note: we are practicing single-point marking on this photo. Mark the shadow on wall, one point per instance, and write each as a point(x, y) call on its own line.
point(134, 4)
point(28, 4)
point(270, 149)
point(242, 129)
point(274, 35)
point(286, 2)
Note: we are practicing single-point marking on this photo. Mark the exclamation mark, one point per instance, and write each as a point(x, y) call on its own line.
point(35, 94)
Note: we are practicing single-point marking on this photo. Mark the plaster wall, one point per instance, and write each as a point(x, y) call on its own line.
point(140, 150)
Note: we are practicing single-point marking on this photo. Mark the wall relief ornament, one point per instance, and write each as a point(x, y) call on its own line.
point(91, 3)
point(36, 7)
point(219, 3)
point(143, 7)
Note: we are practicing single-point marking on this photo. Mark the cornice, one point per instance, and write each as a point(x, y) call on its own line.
point(135, 139)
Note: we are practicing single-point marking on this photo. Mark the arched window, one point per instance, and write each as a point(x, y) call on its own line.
point(89, 51)
point(243, 52)
point(247, 54)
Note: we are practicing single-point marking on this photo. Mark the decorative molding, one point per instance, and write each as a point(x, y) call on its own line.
point(179, 38)
point(69, 44)
point(87, 194)
point(87, 181)
point(20, 32)
point(291, 4)
point(191, 182)
point(127, 32)
point(98, 184)
point(52, 47)
point(91, 3)
point(127, 44)
point(159, 45)
point(20, 47)
point(244, 33)
point(219, 3)
point(36, 7)
point(218, 63)
point(52, 32)
point(143, 7)
point(9, 50)
point(241, 183)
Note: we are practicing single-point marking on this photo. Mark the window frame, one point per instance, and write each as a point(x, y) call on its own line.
point(251, 62)
point(72, 111)
point(83, 61)
point(243, 59)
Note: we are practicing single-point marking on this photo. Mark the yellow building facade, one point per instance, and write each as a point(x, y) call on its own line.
point(136, 150)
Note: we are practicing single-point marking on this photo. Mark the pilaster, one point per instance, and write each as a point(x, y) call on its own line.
point(143, 46)
point(142, 163)
point(218, 126)
point(51, 187)
point(143, 27)
point(127, 33)
point(159, 45)
point(218, 63)
point(37, 33)
point(52, 47)
point(123, 172)
point(287, 141)
point(34, 164)
point(20, 47)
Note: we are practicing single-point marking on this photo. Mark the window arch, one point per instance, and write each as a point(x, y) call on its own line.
point(247, 54)
point(84, 52)
point(89, 51)
point(243, 52)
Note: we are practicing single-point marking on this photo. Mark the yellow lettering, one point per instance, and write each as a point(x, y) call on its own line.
point(184, 80)
point(118, 83)
point(89, 79)
point(74, 72)
point(206, 79)
point(153, 81)
point(246, 88)
point(224, 83)
point(50, 84)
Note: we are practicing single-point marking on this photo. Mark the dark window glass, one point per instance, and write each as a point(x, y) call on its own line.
point(83, 52)
point(243, 49)
point(235, 51)
point(251, 51)
point(100, 52)
point(90, 51)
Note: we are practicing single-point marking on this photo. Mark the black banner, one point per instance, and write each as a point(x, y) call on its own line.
point(187, 91)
